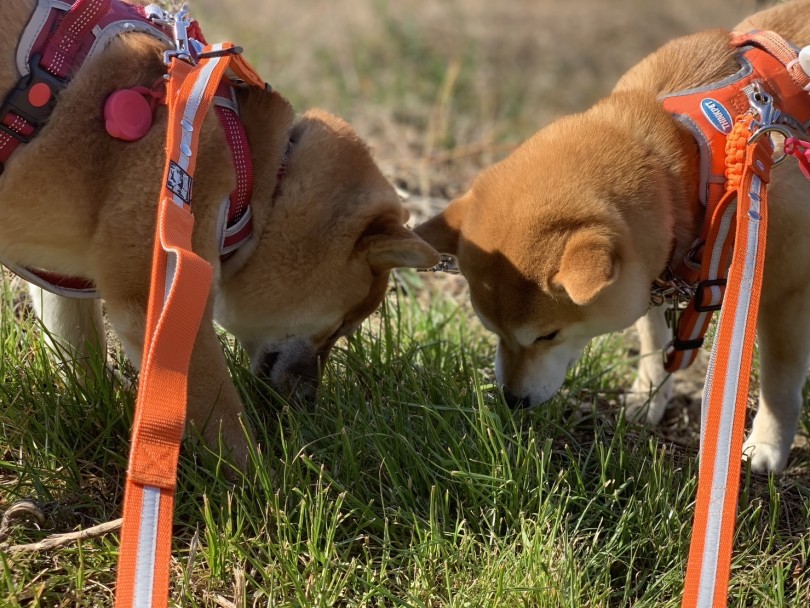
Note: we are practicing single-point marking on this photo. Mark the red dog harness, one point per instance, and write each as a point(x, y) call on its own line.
point(769, 71)
point(59, 38)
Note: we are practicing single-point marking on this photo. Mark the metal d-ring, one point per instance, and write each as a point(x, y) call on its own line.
point(763, 130)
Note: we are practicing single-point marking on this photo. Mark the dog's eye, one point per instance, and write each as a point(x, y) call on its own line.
point(548, 337)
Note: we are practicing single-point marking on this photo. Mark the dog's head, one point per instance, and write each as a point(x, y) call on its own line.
point(544, 239)
point(325, 240)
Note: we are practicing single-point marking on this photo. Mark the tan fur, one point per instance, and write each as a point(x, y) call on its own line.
point(566, 234)
point(78, 202)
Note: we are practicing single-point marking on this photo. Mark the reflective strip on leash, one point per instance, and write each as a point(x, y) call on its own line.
point(725, 393)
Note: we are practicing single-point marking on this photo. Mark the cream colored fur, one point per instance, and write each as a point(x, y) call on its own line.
point(78, 202)
point(561, 240)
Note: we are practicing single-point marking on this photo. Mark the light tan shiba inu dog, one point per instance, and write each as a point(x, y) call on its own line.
point(79, 202)
point(561, 241)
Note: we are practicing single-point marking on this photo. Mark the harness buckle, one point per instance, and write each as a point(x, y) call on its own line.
point(677, 344)
point(32, 99)
point(447, 263)
point(769, 118)
point(697, 299)
point(185, 48)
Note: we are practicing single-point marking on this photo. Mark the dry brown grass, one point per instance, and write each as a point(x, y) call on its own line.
point(442, 88)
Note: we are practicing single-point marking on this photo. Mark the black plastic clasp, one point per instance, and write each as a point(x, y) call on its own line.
point(234, 50)
point(698, 297)
point(678, 344)
point(19, 100)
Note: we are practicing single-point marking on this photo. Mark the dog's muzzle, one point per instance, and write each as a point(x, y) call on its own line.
point(293, 370)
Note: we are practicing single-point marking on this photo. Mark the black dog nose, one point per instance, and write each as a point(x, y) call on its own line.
point(515, 402)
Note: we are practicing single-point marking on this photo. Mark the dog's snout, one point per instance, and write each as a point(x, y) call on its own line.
point(515, 402)
point(306, 370)
point(293, 370)
point(305, 377)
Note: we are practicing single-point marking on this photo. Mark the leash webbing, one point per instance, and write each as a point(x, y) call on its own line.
point(180, 284)
point(725, 393)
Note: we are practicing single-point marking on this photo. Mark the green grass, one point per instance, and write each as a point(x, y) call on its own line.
point(408, 484)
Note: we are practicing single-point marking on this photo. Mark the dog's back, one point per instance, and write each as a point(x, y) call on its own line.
point(15, 15)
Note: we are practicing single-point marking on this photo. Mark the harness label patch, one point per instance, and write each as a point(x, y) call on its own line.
point(179, 182)
point(716, 114)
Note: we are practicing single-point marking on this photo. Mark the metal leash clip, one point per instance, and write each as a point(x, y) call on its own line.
point(447, 263)
point(185, 48)
point(769, 118)
point(670, 286)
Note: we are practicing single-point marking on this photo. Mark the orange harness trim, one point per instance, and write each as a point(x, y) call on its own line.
point(771, 64)
point(179, 291)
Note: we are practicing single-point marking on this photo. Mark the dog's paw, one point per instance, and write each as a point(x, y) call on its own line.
point(765, 457)
point(232, 439)
point(644, 404)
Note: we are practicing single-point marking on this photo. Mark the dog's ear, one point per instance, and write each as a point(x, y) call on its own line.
point(442, 231)
point(589, 264)
point(391, 245)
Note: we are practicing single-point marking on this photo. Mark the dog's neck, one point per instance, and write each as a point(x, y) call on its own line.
point(672, 159)
point(687, 62)
point(268, 119)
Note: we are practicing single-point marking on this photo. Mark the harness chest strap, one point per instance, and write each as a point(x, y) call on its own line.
point(769, 62)
point(178, 295)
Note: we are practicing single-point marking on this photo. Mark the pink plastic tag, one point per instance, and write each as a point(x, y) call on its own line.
point(801, 150)
point(128, 115)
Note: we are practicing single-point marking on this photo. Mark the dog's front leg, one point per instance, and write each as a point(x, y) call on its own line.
point(214, 405)
point(784, 349)
point(652, 388)
point(213, 402)
point(75, 327)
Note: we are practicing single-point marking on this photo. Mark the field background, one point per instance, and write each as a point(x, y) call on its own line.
point(410, 484)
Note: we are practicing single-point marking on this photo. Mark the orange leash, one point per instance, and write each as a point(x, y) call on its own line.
point(180, 285)
point(749, 161)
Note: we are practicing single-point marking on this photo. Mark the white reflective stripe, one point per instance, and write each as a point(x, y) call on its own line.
point(171, 269)
point(194, 101)
point(223, 249)
point(230, 103)
point(35, 279)
point(111, 30)
point(147, 547)
point(240, 224)
point(719, 490)
point(29, 36)
point(714, 267)
point(722, 236)
point(222, 220)
point(696, 328)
